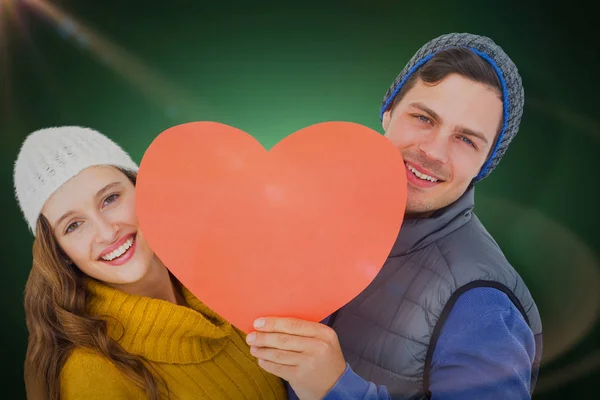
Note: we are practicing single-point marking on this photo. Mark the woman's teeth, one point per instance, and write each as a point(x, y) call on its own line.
point(118, 252)
point(420, 175)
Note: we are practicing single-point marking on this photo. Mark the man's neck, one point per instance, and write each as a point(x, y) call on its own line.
point(417, 215)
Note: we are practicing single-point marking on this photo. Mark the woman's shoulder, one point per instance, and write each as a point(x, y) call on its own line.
point(90, 375)
point(82, 357)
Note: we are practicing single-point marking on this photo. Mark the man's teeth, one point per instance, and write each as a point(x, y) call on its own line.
point(420, 175)
point(118, 252)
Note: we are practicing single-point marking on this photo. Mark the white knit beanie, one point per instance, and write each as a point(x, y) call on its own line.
point(49, 157)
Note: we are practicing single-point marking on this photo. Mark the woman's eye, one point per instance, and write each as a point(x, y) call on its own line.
point(111, 199)
point(72, 227)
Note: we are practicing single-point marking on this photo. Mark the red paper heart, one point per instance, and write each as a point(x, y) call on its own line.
point(297, 231)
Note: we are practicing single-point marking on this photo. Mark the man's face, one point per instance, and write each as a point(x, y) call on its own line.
point(445, 133)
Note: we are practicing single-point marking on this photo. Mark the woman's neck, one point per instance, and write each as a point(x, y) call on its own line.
point(158, 283)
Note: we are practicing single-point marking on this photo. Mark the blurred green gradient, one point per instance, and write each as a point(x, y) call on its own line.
point(271, 69)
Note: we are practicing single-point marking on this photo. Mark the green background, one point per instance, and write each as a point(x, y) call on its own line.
point(272, 68)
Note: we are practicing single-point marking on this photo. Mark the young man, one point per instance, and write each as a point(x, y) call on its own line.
point(447, 317)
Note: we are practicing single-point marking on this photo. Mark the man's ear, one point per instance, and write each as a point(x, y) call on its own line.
point(385, 122)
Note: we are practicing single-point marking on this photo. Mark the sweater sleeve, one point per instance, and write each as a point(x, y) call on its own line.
point(485, 350)
point(90, 376)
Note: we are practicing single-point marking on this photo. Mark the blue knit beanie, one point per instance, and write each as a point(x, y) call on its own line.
point(512, 88)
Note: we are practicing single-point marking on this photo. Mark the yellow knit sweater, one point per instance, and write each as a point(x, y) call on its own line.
point(197, 353)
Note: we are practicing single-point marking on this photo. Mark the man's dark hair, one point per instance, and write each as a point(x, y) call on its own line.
point(459, 61)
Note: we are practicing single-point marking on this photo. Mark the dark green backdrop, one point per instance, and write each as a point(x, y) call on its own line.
point(132, 69)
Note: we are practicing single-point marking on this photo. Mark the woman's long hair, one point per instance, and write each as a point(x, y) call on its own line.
point(58, 322)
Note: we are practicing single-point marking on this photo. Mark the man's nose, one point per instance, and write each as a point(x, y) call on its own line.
point(435, 147)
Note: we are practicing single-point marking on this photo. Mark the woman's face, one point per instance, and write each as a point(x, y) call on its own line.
point(93, 218)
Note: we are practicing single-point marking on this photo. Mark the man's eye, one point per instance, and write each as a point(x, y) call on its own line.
point(467, 141)
point(424, 119)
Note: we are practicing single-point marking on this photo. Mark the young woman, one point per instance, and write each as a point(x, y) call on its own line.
point(106, 319)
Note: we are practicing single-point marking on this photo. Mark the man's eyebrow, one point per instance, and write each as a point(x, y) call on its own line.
point(470, 132)
point(426, 109)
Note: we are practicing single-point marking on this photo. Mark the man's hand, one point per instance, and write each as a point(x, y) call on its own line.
point(306, 354)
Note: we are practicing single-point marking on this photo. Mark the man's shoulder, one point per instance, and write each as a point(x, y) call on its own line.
point(475, 260)
point(470, 234)
point(469, 257)
point(472, 247)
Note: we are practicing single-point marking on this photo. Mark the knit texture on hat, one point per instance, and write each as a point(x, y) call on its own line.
point(512, 88)
point(49, 157)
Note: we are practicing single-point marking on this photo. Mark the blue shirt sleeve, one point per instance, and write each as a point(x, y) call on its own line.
point(350, 386)
point(485, 350)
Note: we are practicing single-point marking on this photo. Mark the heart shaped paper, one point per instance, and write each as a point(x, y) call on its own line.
point(297, 231)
